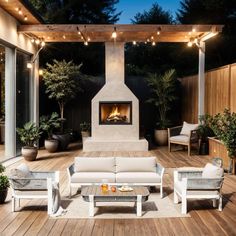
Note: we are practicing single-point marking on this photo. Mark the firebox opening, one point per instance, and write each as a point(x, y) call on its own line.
point(115, 113)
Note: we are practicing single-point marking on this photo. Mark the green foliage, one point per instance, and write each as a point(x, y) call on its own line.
point(29, 134)
point(85, 126)
point(62, 82)
point(224, 126)
point(163, 94)
point(204, 130)
point(49, 123)
point(4, 182)
point(155, 15)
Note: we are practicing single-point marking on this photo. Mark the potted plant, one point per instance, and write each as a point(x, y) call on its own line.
point(4, 184)
point(48, 124)
point(29, 136)
point(163, 94)
point(85, 130)
point(204, 131)
point(224, 127)
point(62, 84)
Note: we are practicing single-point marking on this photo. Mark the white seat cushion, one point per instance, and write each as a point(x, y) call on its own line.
point(133, 164)
point(94, 164)
point(138, 177)
point(92, 177)
point(187, 128)
point(180, 138)
point(212, 171)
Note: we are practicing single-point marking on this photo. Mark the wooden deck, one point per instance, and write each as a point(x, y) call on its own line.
point(204, 220)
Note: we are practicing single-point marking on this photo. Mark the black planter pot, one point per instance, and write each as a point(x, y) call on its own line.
point(204, 148)
point(3, 195)
point(63, 139)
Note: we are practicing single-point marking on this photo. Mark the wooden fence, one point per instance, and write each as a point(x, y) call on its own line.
point(220, 92)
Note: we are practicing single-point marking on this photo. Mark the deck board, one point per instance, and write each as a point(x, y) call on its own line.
point(204, 220)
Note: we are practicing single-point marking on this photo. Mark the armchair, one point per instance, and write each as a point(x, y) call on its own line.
point(37, 185)
point(175, 137)
point(191, 184)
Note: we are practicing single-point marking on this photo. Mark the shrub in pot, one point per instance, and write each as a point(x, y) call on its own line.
point(48, 124)
point(163, 89)
point(4, 184)
point(204, 131)
point(224, 127)
point(29, 136)
point(85, 129)
point(62, 80)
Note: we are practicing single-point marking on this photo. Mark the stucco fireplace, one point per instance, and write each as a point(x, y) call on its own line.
point(115, 110)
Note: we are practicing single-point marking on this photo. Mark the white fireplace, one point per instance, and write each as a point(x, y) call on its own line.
point(115, 110)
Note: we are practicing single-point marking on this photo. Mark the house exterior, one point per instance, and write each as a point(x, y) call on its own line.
point(19, 84)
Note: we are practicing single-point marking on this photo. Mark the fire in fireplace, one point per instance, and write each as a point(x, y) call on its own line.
point(115, 113)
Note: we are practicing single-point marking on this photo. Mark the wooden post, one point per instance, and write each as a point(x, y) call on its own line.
point(201, 80)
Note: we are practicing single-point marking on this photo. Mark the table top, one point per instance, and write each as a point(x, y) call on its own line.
point(97, 192)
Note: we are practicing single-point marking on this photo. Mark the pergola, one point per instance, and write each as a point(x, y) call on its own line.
point(195, 35)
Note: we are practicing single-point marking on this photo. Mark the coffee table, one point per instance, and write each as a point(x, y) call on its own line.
point(93, 194)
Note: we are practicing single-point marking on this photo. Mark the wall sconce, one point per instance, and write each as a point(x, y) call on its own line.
point(29, 65)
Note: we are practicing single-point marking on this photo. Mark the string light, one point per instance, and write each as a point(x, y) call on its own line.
point(134, 43)
point(114, 33)
point(85, 43)
point(153, 43)
point(40, 72)
point(159, 31)
point(25, 18)
point(37, 41)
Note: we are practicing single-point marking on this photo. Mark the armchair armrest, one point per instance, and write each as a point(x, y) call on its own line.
point(54, 175)
point(188, 174)
point(204, 183)
point(174, 131)
point(160, 170)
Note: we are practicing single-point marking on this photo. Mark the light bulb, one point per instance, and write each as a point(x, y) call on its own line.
point(29, 65)
point(134, 43)
point(25, 18)
point(114, 34)
point(153, 43)
point(40, 72)
point(85, 43)
point(190, 44)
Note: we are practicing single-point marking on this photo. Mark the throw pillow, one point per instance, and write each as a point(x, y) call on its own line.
point(187, 128)
point(20, 175)
point(212, 171)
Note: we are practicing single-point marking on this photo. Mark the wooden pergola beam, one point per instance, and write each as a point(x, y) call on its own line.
point(125, 33)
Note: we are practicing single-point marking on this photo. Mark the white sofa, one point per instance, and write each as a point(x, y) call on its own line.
point(142, 171)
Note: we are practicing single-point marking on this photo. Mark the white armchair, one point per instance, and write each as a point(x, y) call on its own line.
point(192, 184)
point(34, 185)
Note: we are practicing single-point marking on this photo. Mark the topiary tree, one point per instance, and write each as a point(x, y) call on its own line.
point(62, 81)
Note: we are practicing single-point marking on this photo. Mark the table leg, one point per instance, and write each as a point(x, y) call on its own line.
point(139, 205)
point(91, 205)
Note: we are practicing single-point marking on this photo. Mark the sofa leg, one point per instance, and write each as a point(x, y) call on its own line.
point(189, 150)
point(184, 205)
point(161, 191)
point(169, 147)
point(176, 198)
point(70, 191)
point(13, 204)
point(220, 204)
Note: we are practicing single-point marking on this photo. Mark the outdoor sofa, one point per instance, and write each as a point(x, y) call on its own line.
point(141, 171)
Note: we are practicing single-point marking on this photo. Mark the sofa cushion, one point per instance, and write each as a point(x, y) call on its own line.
point(180, 138)
point(93, 177)
point(139, 164)
point(187, 128)
point(212, 171)
point(94, 164)
point(138, 177)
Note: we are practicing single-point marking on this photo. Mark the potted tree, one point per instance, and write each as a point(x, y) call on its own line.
point(48, 124)
point(4, 184)
point(204, 131)
point(29, 136)
point(62, 84)
point(163, 93)
point(224, 127)
point(85, 130)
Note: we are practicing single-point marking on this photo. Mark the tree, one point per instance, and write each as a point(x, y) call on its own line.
point(155, 15)
point(62, 82)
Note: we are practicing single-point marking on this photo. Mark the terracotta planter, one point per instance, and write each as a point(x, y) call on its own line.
point(3, 195)
point(161, 137)
point(63, 139)
point(51, 145)
point(85, 134)
point(29, 153)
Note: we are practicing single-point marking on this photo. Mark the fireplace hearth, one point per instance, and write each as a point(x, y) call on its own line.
point(115, 113)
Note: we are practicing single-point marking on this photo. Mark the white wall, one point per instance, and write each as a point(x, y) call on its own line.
point(8, 33)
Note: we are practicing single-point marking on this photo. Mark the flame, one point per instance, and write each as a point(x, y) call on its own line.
point(114, 113)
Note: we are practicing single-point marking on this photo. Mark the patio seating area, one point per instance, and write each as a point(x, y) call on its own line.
point(204, 218)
